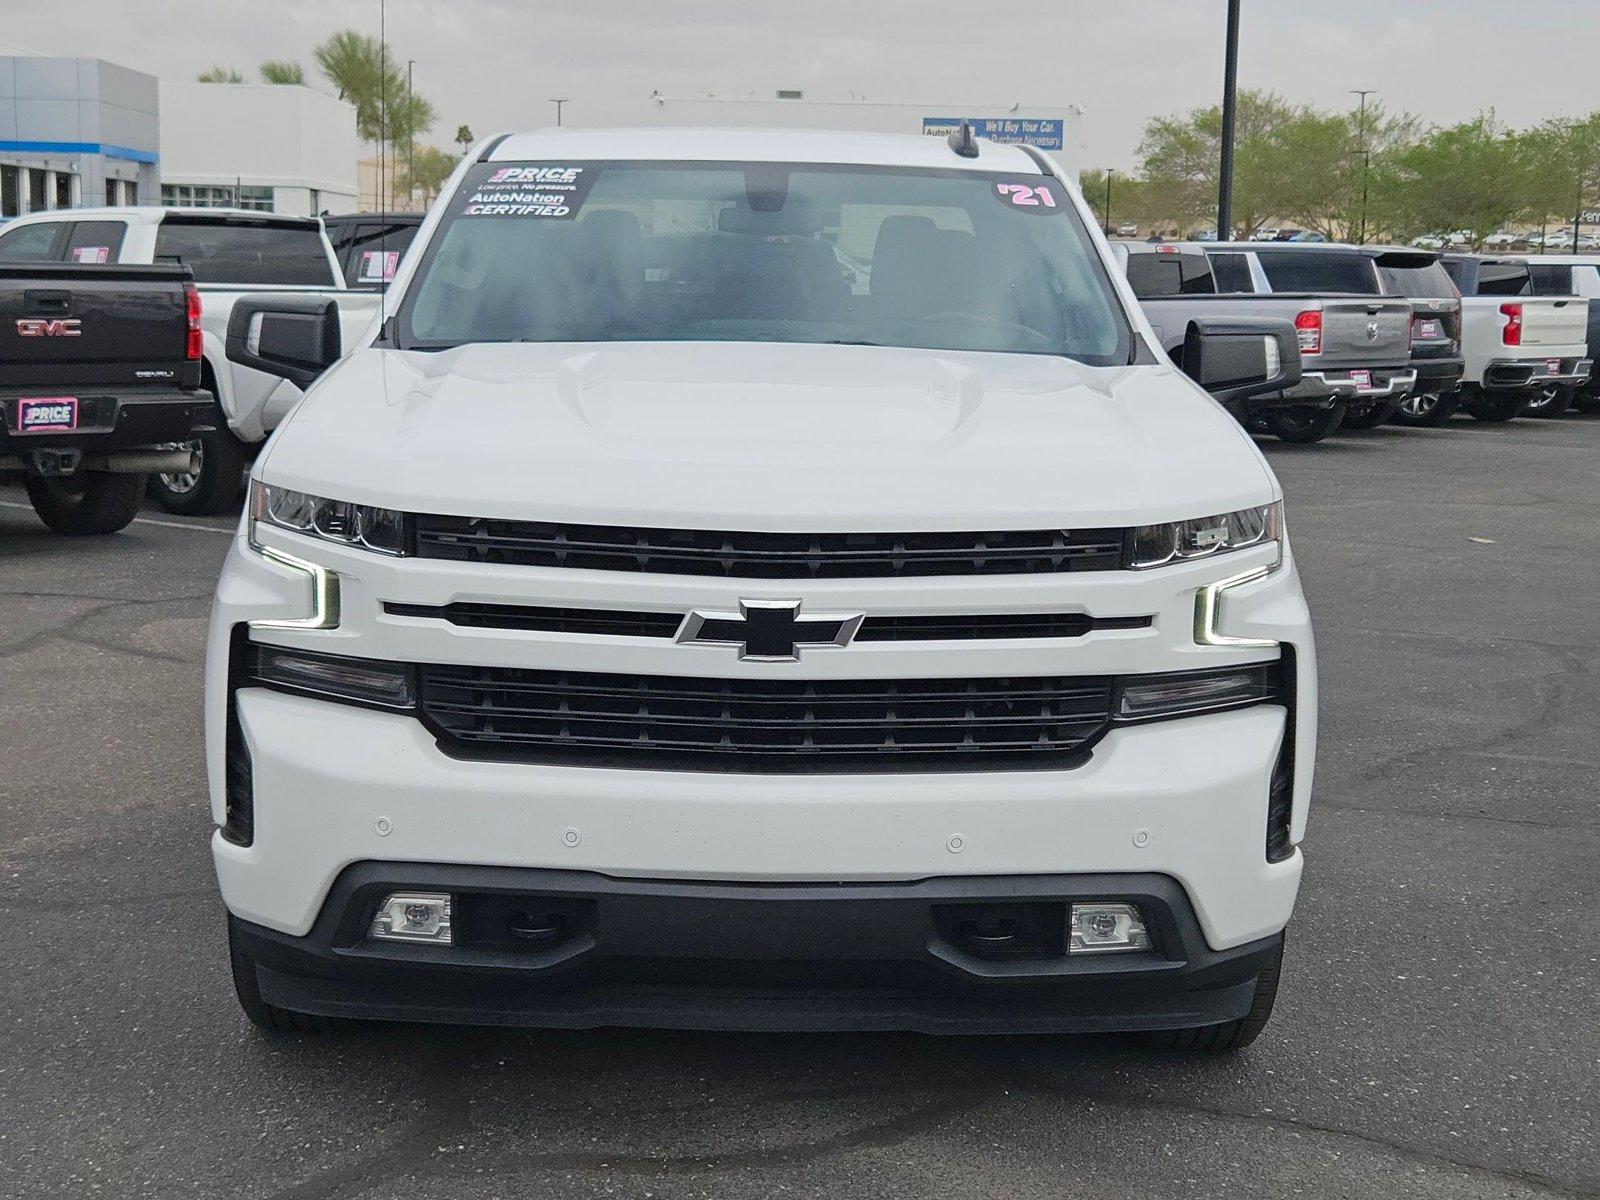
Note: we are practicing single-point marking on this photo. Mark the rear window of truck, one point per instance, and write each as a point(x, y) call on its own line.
point(1320, 271)
point(1504, 279)
point(1232, 272)
point(1551, 279)
point(1431, 282)
point(285, 253)
point(1174, 274)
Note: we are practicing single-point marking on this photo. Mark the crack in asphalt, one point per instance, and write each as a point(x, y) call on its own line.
point(387, 1164)
point(1586, 1189)
point(69, 629)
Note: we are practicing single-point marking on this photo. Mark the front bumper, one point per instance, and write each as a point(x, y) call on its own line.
point(336, 785)
point(948, 955)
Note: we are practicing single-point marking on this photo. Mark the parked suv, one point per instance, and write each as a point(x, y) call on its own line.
point(1435, 335)
point(663, 622)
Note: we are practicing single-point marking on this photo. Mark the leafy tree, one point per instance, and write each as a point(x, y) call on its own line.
point(1475, 177)
point(363, 69)
point(409, 117)
point(282, 72)
point(464, 137)
point(430, 167)
point(1563, 168)
point(220, 75)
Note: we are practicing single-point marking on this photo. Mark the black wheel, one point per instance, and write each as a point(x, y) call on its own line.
point(1427, 409)
point(1587, 402)
point(1498, 407)
point(214, 488)
point(1303, 425)
point(1370, 416)
point(88, 503)
point(270, 1017)
point(1230, 1035)
point(1550, 401)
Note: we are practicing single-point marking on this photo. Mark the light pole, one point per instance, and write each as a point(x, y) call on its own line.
point(1110, 171)
point(1230, 97)
point(558, 104)
point(1366, 154)
point(411, 142)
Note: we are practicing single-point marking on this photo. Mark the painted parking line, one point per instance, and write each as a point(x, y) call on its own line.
point(227, 531)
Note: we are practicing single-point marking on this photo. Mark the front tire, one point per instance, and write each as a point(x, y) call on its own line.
point(1550, 401)
point(214, 488)
point(91, 503)
point(1499, 407)
point(269, 1017)
point(1303, 425)
point(1230, 1035)
point(1426, 410)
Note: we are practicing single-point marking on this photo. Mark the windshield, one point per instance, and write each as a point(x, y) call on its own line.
point(624, 251)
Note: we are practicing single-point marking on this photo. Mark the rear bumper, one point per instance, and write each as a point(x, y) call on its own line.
point(1512, 374)
point(719, 955)
point(1437, 374)
point(1382, 383)
point(121, 421)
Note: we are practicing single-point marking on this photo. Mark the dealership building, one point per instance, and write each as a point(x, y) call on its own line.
point(80, 132)
point(74, 132)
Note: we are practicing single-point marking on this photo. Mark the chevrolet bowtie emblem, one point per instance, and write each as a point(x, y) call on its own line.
point(769, 630)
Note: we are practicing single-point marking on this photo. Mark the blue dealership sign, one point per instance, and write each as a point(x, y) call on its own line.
point(1043, 132)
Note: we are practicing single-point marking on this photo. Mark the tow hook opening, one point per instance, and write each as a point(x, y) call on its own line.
point(1005, 932)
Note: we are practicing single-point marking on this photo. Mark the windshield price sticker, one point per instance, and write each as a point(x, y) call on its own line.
point(90, 254)
point(378, 266)
point(1043, 197)
point(542, 191)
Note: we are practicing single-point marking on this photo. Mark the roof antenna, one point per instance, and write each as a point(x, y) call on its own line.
point(962, 141)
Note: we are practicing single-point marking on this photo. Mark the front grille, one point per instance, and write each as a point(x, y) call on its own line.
point(600, 622)
point(786, 725)
point(765, 555)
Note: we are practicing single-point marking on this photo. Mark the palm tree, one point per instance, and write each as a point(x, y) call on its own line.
point(359, 67)
point(220, 75)
point(464, 137)
point(283, 72)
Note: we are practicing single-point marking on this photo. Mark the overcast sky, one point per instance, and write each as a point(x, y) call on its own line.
point(492, 64)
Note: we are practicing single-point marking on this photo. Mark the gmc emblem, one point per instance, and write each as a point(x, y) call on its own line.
point(49, 327)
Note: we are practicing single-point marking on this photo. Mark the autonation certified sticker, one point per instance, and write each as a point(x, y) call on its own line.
point(543, 191)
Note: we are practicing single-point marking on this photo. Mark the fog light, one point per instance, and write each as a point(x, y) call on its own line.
point(413, 917)
point(1100, 928)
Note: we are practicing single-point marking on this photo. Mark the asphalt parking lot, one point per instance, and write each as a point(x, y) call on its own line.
point(1438, 1032)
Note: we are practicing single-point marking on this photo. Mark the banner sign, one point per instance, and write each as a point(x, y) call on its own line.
point(1045, 133)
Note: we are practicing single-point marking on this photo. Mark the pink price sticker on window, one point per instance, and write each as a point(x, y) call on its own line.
point(1043, 198)
point(91, 254)
point(378, 266)
point(47, 414)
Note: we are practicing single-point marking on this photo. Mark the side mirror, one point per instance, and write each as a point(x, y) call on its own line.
point(294, 337)
point(1240, 357)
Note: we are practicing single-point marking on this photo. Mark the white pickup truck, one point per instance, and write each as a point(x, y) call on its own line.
point(1514, 344)
point(231, 253)
point(761, 579)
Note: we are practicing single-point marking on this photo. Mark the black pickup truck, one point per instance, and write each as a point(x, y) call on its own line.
point(99, 375)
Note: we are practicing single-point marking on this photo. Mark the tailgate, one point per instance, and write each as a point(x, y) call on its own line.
point(1552, 322)
point(1365, 332)
point(74, 325)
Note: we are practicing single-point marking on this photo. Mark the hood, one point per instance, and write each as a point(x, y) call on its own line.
point(773, 437)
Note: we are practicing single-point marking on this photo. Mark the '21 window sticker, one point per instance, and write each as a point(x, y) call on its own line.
point(538, 191)
point(1044, 198)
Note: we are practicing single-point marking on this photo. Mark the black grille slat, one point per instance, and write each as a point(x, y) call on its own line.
point(623, 623)
point(665, 721)
point(765, 555)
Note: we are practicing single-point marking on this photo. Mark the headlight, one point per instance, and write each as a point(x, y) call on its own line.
point(1181, 541)
point(361, 525)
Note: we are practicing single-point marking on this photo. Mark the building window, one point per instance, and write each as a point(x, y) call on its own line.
point(63, 190)
point(36, 190)
point(10, 196)
point(199, 195)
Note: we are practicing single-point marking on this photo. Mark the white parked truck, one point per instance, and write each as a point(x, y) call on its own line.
point(761, 579)
point(1514, 344)
point(231, 253)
